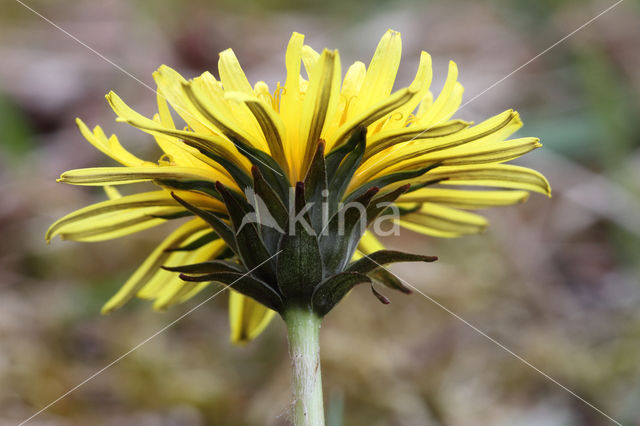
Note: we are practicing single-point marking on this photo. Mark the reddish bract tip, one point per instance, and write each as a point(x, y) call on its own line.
point(321, 145)
point(178, 199)
point(381, 297)
point(373, 190)
point(220, 187)
point(185, 277)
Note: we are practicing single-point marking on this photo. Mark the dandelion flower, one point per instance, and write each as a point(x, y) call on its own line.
point(244, 151)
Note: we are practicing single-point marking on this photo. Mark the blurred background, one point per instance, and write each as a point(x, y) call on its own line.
point(555, 280)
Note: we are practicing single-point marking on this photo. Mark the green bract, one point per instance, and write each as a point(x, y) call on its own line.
point(295, 246)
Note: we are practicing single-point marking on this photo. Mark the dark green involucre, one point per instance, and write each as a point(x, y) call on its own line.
point(293, 247)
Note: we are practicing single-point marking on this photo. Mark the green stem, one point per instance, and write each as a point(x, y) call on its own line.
point(304, 348)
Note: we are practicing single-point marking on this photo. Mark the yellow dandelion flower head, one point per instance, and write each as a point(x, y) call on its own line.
point(253, 152)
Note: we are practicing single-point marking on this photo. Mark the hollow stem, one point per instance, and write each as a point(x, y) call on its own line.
point(304, 348)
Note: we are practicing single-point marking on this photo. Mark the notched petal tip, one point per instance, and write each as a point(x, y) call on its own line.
point(228, 51)
point(110, 96)
point(51, 234)
point(163, 69)
point(392, 33)
point(330, 53)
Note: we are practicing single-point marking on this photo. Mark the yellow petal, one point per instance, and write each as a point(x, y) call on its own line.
point(175, 291)
point(444, 221)
point(309, 59)
point(420, 84)
point(369, 243)
point(163, 281)
point(261, 90)
point(206, 142)
point(452, 104)
point(371, 115)
point(270, 123)
point(492, 175)
point(350, 88)
point(381, 73)
point(464, 199)
point(353, 79)
point(231, 73)
point(229, 118)
point(192, 292)
point(427, 230)
point(292, 60)
point(320, 103)
point(495, 129)
point(170, 87)
point(434, 115)
point(495, 152)
point(143, 204)
point(218, 112)
point(100, 176)
point(117, 226)
point(112, 192)
point(110, 147)
point(151, 265)
point(490, 153)
point(291, 101)
point(179, 153)
point(425, 104)
point(388, 138)
point(247, 318)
